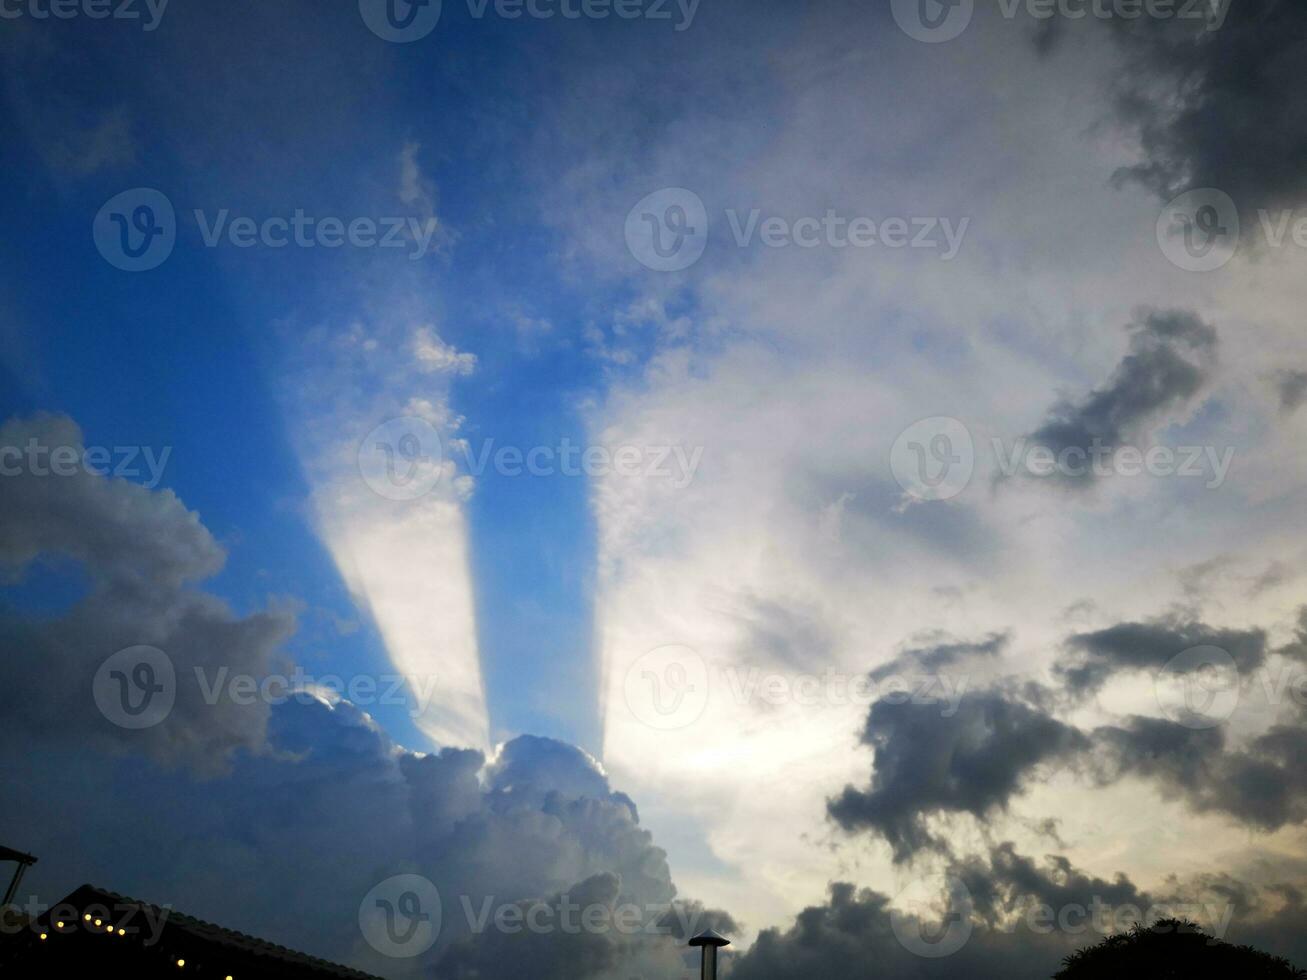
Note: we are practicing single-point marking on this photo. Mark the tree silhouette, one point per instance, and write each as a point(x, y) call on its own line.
point(1173, 948)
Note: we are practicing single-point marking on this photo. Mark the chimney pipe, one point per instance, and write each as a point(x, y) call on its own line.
point(710, 942)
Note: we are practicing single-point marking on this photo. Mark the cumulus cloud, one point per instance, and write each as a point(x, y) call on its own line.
point(140, 554)
point(435, 356)
point(304, 804)
point(287, 844)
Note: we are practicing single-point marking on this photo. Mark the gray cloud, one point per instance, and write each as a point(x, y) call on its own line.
point(930, 766)
point(927, 764)
point(1263, 786)
point(1169, 361)
point(1092, 658)
point(937, 652)
point(140, 554)
point(1225, 108)
point(853, 934)
point(1292, 388)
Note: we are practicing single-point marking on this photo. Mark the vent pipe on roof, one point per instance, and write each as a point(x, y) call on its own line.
point(710, 942)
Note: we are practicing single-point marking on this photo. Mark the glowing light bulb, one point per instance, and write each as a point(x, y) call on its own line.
point(87, 917)
point(181, 962)
point(58, 925)
point(43, 937)
point(122, 932)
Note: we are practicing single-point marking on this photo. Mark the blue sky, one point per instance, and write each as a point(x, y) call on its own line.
point(187, 356)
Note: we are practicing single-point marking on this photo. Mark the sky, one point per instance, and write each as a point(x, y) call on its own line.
point(827, 473)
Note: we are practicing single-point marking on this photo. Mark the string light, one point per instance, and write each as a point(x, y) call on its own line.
point(180, 962)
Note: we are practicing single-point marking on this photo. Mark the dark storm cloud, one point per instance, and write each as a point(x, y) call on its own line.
point(927, 764)
point(137, 554)
point(1262, 786)
point(1092, 658)
point(853, 933)
point(1169, 361)
point(1225, 108)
